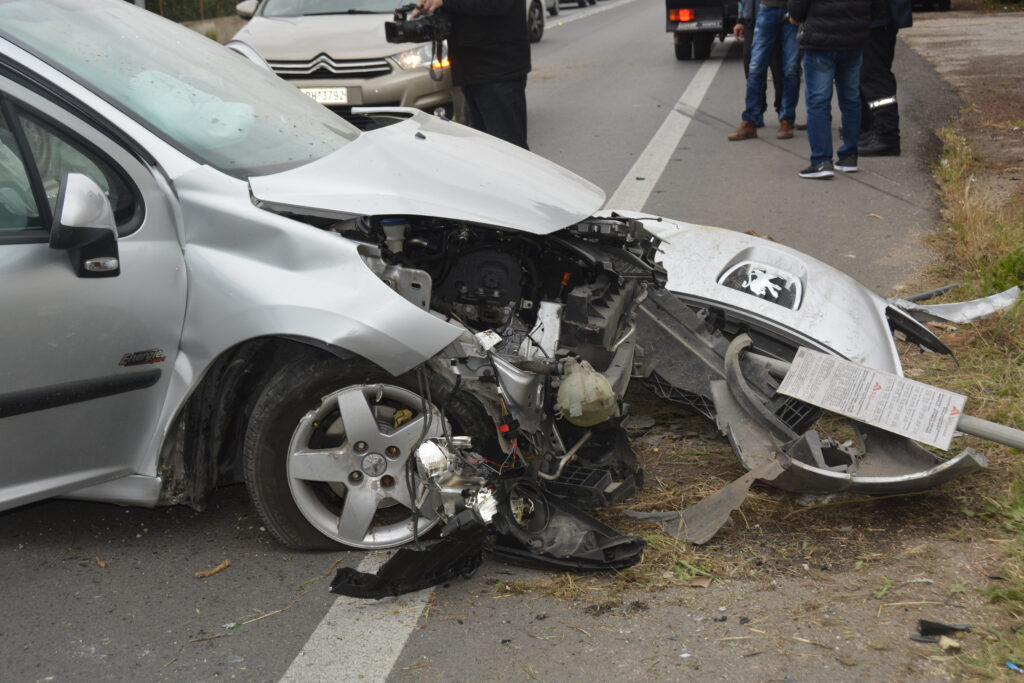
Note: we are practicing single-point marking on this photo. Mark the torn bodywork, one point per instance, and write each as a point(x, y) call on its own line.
point(521, 413)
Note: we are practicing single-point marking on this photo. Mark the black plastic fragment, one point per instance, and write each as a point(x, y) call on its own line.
point(937, 628)
point(458, 553)
point(917, 638)
point(535, 525)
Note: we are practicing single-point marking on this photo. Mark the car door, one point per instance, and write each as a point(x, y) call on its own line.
point(85, 362)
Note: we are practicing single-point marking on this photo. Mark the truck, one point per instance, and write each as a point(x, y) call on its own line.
point(694, 24)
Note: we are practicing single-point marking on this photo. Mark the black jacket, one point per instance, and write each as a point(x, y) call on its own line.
point(489, 41)
point(834, 24)
point(899, 15)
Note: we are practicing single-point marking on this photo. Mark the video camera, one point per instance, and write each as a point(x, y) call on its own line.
point(425, 28)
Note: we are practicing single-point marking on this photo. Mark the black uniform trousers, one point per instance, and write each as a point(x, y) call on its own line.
point(880, 113)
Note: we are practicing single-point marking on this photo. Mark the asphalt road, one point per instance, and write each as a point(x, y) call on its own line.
point(96, 592)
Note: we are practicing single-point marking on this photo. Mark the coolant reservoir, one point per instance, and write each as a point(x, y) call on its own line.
point(585, 396)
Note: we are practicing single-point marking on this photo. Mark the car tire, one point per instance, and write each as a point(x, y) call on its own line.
point(702, 45)
point(535, 21)
point(684, 47)
point(944, 5)
point(300, 417)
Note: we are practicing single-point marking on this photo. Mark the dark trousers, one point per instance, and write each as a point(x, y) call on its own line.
point(775, 66)
point(498, 109)
point(880, 114)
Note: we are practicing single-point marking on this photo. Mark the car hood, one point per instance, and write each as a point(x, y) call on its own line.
point(344, 36)
point(424, 166)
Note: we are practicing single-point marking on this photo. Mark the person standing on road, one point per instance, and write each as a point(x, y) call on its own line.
point(832, 33)
point(748, 15)
point(490, 57)
point(880, 114)
point(770, 29)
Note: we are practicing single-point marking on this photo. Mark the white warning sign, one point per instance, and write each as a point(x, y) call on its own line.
point(895, 404)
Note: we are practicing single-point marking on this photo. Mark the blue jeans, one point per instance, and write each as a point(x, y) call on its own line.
point(770, 28)
point(821, 69)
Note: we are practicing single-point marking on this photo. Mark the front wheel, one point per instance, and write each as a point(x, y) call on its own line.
point(327, 454)
point(535, 21)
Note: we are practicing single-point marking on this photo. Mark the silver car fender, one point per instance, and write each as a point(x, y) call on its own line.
point(253, 273)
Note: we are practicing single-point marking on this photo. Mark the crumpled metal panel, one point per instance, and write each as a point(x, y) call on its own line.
point(425, 166)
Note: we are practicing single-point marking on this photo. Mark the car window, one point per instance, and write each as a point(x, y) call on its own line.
point(211, 103)
point(54, 155)
point(18, 209)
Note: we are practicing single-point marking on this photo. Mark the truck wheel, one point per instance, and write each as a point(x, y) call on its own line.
point(702, 45)
point(684, 47)
point(326, 453)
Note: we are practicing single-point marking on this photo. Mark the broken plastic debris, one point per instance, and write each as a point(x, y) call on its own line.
point(937, 628)
point(947, 643)
point(960, 311)
point(1014, 667)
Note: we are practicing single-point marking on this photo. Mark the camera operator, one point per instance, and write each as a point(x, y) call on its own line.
point(489, 50)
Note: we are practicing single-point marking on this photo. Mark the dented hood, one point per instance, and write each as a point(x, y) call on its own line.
point(425, 166)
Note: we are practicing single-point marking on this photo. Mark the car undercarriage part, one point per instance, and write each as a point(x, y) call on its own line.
point(530, 524)
point(458, 553)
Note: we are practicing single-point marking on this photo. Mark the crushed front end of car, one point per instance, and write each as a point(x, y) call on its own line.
point(506, 435)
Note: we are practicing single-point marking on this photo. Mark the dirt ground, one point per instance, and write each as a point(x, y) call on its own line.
point(979, 54)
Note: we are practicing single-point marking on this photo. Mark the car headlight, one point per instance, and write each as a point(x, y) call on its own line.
point(420, 57)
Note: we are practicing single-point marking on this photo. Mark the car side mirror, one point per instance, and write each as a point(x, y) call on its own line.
point(83, 225)
point(247, 8)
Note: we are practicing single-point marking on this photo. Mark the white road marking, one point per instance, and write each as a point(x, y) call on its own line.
point(359, 638)
point(638, 184)
point(553, 22)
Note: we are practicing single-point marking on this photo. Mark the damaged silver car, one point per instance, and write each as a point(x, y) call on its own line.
point(212, 279)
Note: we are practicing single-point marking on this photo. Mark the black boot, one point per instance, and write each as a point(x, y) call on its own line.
point(878, 148)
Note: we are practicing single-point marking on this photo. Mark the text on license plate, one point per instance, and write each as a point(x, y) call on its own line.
point(327, 95)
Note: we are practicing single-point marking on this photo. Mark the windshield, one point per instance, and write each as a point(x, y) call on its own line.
point(298, 8)
point(208, 101)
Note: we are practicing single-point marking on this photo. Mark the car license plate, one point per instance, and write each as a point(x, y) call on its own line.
point(327, 95)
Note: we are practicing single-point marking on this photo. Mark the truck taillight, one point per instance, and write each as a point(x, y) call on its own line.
point(681, 15)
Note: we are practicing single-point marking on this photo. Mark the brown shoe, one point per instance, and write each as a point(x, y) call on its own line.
point(785, 130)
point(746, 131)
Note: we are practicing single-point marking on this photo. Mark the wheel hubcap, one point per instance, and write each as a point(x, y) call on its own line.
point(347, 465)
